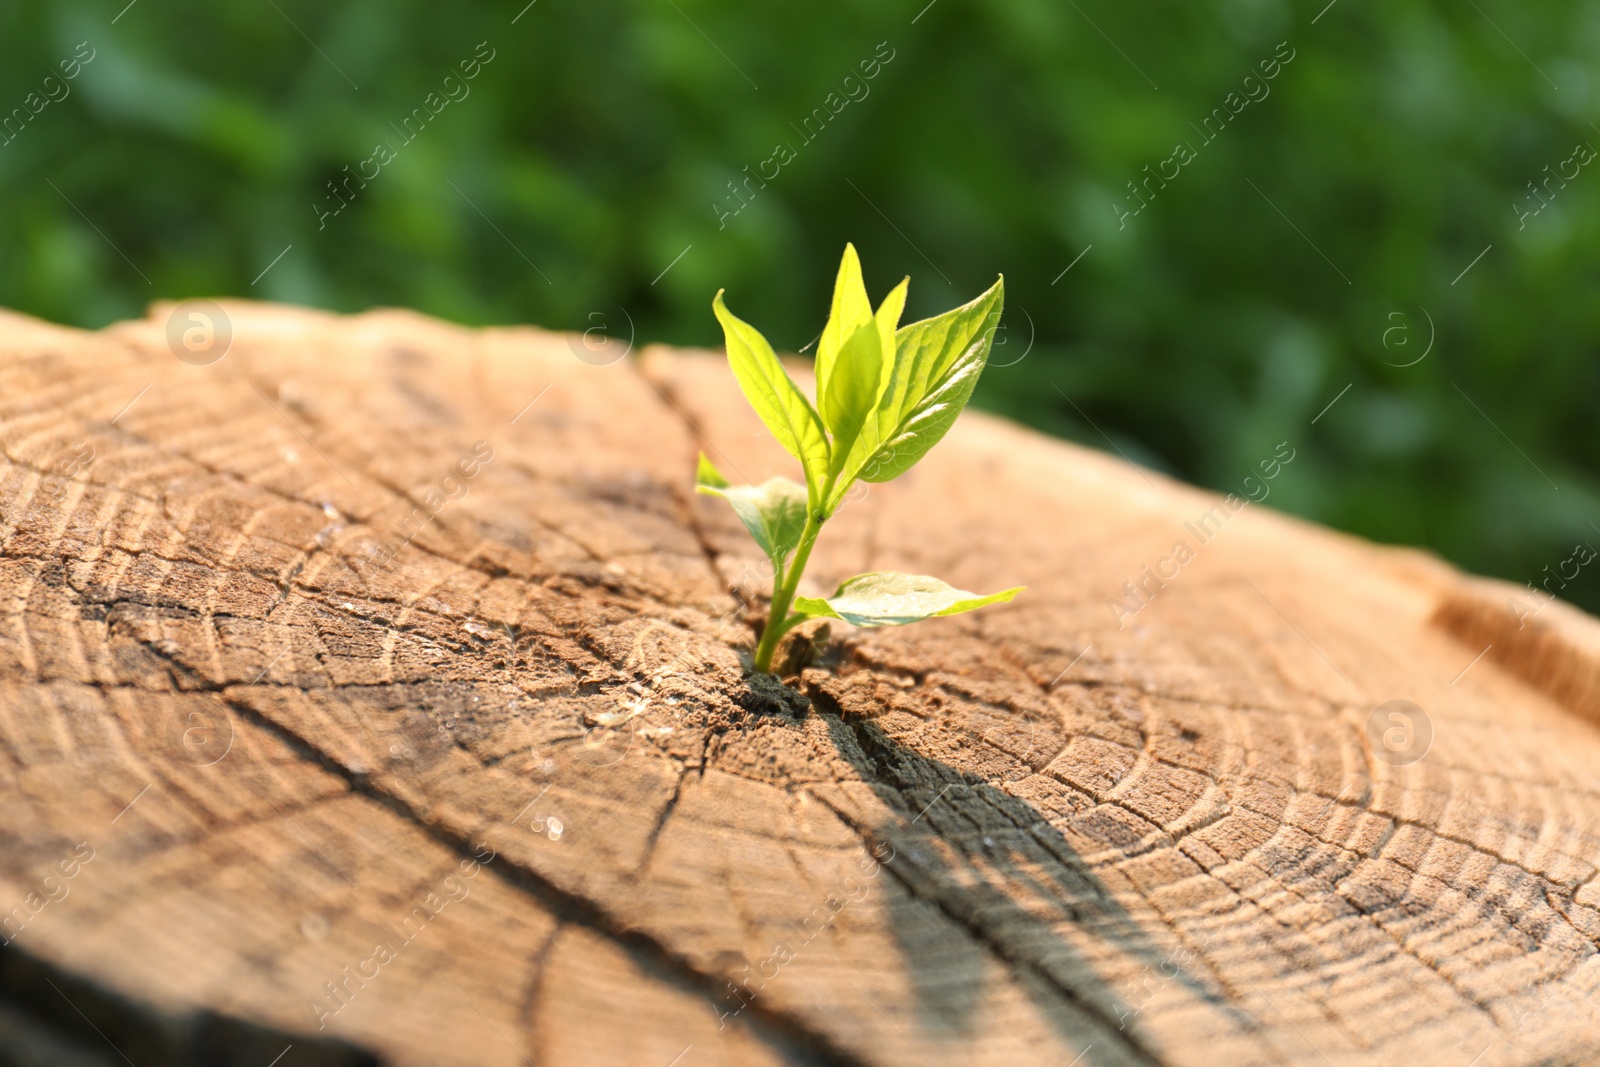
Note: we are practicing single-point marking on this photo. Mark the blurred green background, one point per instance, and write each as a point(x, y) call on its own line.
point(599, 141)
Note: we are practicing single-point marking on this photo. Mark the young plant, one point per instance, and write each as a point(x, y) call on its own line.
point(885, 395)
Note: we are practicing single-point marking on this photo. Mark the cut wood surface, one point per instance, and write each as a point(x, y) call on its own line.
point(379, 687)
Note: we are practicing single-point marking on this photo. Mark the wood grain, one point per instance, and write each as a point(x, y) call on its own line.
point(379, 761)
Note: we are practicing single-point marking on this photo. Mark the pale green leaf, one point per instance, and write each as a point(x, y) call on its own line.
point(850, 311)
point(887, 319)
point(936, 365)
point(886, 598)
point(779, 402)
point(774, 512)
point(862, 374)
point(853, 387)
point(707, 477)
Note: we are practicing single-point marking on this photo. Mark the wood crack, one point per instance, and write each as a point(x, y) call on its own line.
point(571, 908)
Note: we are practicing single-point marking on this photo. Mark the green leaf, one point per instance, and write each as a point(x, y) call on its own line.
point(851, 310)
point(887, 320)
point(779, 402)
point(863, 371)
point(936, 364)
point(886, 598)
point(774, 512)
point(853, 387)
point(707, 477)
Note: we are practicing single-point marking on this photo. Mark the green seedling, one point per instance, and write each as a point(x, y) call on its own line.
point(886, 394)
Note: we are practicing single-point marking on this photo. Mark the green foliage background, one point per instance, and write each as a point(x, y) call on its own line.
point(598, 140)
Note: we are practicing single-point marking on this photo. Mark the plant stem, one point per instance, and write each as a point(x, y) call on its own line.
point(778, 622)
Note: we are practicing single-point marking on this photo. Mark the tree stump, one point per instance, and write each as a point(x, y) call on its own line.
point(374, 695)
